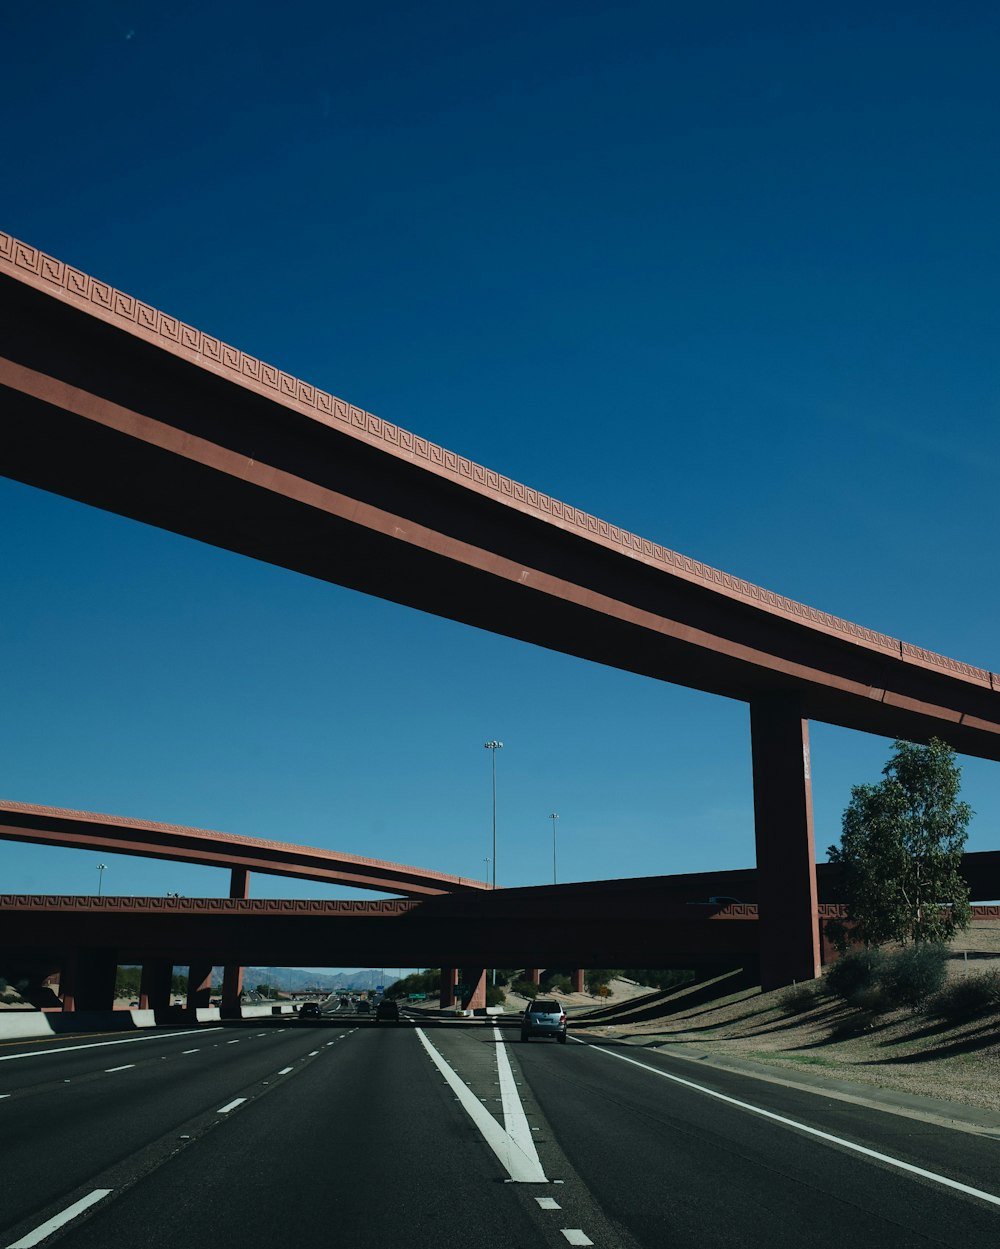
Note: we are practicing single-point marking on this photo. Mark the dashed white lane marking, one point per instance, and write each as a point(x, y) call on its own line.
point(547, 1203)
point(91, 1045)
point(575, 1236)
point(313, 1053)
point(3, 1095)
point(224, 1110)
point(804, 1127)
point(183, 1052)
point(284, 1071)
point(522, 1167)
point(260, 1034)
point(59, 1220)
point(126, 1067)
point(232, 1042)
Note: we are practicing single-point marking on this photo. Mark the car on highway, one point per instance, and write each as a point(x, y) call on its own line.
point(363, 1007)
point(387, 1012)
point(310, 1010)
point(544, 1017)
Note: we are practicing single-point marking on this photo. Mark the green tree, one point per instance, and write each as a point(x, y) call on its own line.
point(901, 849)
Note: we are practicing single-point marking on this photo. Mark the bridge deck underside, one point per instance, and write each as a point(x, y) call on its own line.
point(100, 415)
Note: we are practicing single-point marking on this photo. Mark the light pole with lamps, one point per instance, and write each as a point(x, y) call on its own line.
point(101, 869)
point(553, 817)
point(493, 747)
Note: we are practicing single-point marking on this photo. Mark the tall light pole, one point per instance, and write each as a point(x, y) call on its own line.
point(101, 869)
point(553, 817)
point(493, 747)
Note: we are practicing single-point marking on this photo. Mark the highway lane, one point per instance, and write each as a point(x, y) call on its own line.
point(367, 1135)
point(80, 1107)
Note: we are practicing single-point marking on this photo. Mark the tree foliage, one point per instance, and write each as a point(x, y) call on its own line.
point(901, 849)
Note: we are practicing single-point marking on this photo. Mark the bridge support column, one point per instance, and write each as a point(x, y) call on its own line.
point(576, 979)
point(87, 980)
point(199, 985)
point(232, 974)
point(449, 978)
point(154, 985)
point(534, 974)
point(788, 917)
point(474, 978)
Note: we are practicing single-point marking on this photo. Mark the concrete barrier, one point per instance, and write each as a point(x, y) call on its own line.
point(26, 1024)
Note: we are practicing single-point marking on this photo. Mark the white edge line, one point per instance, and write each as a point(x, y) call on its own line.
point(224, 1110)
point(129, 1040)
point(521, 1168)
point(58, 1220)
point(804, 1127)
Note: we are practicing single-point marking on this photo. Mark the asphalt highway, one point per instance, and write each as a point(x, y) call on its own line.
point(435, 1132)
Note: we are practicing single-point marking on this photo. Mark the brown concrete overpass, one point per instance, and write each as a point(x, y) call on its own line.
point(109, 401)
point(113, 834)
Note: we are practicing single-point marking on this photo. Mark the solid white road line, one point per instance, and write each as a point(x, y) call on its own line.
point(126, 1067)
point(575, 1236)
point(804, 1127)
point(59, 1220)
point(522, 1167)
point(284, 1071)
point(129, 1040)
point(224, 1110)
point(515, 1121)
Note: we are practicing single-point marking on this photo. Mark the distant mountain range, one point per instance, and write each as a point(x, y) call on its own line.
point(295, 979)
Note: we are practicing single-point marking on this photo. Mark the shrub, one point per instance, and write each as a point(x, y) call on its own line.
point(525, 988)
point(964, 999)
point(853, 973)
point(799, 998)
point(874, 1000)
point(915, 973)
point(495, 996)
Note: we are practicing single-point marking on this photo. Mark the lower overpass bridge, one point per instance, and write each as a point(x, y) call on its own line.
point(641, 922)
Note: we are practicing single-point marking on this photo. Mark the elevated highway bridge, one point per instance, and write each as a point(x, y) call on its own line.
point(106, 400)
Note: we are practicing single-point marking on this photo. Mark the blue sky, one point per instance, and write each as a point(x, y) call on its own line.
point(723, 274)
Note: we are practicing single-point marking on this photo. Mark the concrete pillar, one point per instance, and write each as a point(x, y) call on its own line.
point(154, 985)
point(449, 978)
point(232, 973)
point(786, 861)
point(87, 980)
point(534, 974)
point(199, 985)
point(474, 979)
point(576, 979)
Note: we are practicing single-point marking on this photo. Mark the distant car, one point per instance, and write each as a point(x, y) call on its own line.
point(544, 1017)
point(387, 1011)
point(363, 1007)
point(309, 1010)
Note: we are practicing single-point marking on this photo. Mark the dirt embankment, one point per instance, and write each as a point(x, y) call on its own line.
point(906, 1051)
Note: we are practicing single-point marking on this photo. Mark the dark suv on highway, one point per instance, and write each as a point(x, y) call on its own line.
point(544, 1017)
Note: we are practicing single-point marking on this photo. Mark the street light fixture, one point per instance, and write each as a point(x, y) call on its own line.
point(101, 869)
point(493, 747)
point(553, 817)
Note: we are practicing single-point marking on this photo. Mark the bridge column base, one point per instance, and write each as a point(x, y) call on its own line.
point(449, 978)
point(576, 979)
point(788, 920)
point(474, 979)
point(199, 985)
point(534, 974)
point(154, 985)
point(87, 980)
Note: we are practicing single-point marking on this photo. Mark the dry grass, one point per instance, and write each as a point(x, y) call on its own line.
point(901, 1050)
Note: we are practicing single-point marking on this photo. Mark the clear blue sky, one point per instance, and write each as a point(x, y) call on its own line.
point(724, 274)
